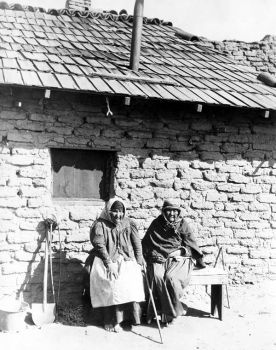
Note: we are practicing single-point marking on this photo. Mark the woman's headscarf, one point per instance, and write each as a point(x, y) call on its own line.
point(105, 214)
point(171, 204)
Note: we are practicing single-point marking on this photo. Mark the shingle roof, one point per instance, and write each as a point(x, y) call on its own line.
point(89, 51)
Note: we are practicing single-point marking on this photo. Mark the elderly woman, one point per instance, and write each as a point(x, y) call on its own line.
point(171, 252)
point(116, 282)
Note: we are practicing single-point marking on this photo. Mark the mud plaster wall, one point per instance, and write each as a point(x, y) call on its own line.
point(220, 164)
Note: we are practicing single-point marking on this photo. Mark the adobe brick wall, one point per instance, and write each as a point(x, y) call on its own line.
point(259, 54)
point(219, 163)
point(81, 5)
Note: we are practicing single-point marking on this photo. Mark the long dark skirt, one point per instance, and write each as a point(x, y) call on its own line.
point(116, 314)
point(168, 281)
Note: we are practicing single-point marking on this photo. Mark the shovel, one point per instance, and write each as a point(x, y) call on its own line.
point(44, 313)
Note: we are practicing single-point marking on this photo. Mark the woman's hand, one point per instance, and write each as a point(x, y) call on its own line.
point(112, 271)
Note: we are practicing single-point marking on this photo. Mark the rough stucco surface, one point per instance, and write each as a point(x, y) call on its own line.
point(220, 164)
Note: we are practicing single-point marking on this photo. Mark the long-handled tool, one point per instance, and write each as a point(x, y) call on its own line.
point(51, 261)
point(153, 304)
point(44, 313)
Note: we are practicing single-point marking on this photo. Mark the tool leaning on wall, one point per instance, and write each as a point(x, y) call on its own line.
point(45, 313)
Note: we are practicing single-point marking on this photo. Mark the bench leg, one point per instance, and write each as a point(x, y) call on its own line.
point(217, 292)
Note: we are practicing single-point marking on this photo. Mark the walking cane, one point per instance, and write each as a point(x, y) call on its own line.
point(153, 305)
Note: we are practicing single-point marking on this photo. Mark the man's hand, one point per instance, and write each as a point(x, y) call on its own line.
point(112, 271)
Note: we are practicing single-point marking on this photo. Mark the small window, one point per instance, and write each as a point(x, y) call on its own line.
point(81, 174)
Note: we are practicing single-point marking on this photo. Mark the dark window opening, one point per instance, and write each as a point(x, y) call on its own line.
point(82, 174)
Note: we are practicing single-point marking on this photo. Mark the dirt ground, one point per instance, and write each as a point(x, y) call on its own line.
point(250, 323)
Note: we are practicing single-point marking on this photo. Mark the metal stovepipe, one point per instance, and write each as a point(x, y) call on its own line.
point(136, 35)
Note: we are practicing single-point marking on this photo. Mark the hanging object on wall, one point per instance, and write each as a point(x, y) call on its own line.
point(127, 101)
point(47, 93)
point(266, 114)
point(108, 112)
point(199, 108)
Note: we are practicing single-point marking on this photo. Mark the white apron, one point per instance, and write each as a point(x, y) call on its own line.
point(128, 287)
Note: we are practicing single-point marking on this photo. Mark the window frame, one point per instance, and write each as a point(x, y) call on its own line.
point(110, 178)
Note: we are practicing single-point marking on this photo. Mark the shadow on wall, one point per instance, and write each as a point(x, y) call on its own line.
point(67, 275)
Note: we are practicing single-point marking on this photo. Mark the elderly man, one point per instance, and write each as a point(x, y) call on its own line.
point(171, 252)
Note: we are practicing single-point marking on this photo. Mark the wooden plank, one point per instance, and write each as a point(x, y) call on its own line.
point(12, 76)
point(1, 76)
point(162, 92)
point(80, 61)
point(217, 97)
point(268, 89)
point(210, 83)
point(209, 276)
point(10, 63)
point(225, 75)
point(207, 280)
point(180, 95)
point(100, 84)
point(271, 98)
point(133, 89)
point(188, 91)
point(262, 100)
point(222, 86)
point(248, 87)
point(48, 80)
point(205, 97)
point(245, 99)
point(214, 74)
point(266, 100)
point(196, 83)
point(201, 73)
point(217, 294)
point(232, 100)
point(58, 68)
point(149, 92)
point(39, 57)
point(42, 66)
point(30, 78)
point(183, 82)
point(53, 57)
point(263, 89)
point(26, 64)
point(117, 87)
point(155, 68)
point(72, 68)
point(233, 86)
point(66, 81)
point(84, 83)
point(243, 76)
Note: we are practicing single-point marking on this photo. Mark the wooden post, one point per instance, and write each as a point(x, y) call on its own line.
point(136, 35)
point(217, 300)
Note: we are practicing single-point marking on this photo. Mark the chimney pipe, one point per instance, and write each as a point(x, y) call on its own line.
point(136, 35)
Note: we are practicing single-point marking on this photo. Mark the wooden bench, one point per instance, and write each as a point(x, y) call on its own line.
point(218, 279)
